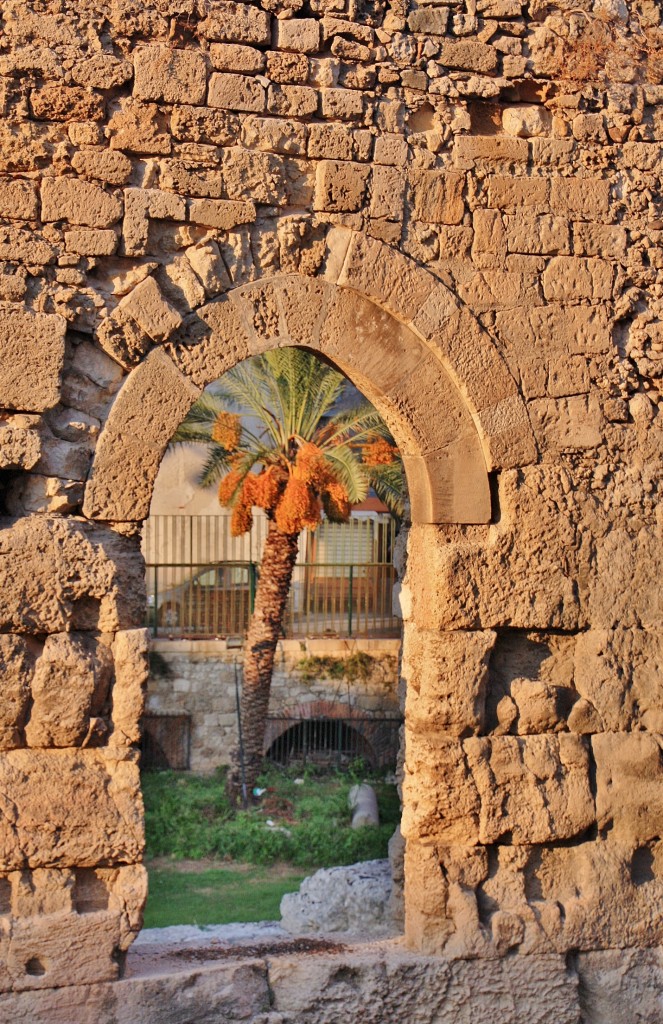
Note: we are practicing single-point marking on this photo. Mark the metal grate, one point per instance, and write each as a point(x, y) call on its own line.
point(334, 742)
point(166, 741)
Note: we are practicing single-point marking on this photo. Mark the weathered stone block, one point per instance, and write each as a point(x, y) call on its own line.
point(237, 23)
point(629, 785)
point(618, 674)
point(91, 241)
point(528, 233)
point(208, 265)
point(292, 100)
point(71, 686)
point(572, 278)
point(438, 196)
point(221, 213)
point(55, 102)
point(275, 135)
point(69, 808)
point(342, 104)
point(17, 662)
point(130, 653)
point(256, 177)
point(78, 202)
point(58, 574)
point(235, 58)
point(104, 164)
point(468, 55)
point(139, 128)
point(340, 185)
point(31, 359)
point(18, 199)
point(171, 75)
point(430, 21)
point(302, 35)
point(20, 444)
point(151, 311)
point(236, 92)
point(447, 677)
point(588, 198)
point(115, 492)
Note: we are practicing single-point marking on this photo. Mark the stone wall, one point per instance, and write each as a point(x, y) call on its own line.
point(457, 203)
point(198, 677)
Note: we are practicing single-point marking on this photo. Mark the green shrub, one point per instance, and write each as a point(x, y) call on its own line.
point(188, 816)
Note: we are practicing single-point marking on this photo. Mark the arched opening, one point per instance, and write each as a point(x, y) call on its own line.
point(366, 313)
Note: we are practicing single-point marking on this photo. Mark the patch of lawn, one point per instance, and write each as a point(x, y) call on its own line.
point(222, 895)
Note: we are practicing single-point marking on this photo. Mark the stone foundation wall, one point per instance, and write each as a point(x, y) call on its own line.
point(198, 677)
point(459, 205)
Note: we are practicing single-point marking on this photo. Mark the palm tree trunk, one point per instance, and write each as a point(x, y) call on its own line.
point(276, 568)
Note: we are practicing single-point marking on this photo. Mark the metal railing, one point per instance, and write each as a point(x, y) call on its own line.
point(334, 742)
point(166, 741)
point(201, 582)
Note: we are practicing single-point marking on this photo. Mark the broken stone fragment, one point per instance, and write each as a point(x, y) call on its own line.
point(153, 314)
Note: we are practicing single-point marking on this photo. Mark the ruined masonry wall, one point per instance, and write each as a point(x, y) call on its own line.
point(197, 677)
point(460, 203)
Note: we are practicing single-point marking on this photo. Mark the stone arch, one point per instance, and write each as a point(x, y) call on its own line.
point(393, 328)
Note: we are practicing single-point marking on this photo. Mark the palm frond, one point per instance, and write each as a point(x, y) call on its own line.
point(348, 468)
point(388, 482)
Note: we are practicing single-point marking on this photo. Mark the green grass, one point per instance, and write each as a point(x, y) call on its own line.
point(265, 851)
point(188, 816)
point(216, 895)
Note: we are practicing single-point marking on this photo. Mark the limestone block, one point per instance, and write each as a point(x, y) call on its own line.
point(58, 574)
point(340, 185)
point(151, 311)
point(46, 951)
point(525, 120)
point(387, 186)
point(65, 808)
point(616, 981)
point(344, 899)
point(236, 23)
point(27, 146)
point(200, 124)
point(341, 104)
point(91, 241)
point(19, 245)
point(473, 150)
point(331, 141)
point(102, 71)
point(625, 591)
point(440, 797)
point(122, 339)
point(130, 653)
point(207, 263)
point(567, 424)
point(139, 206)
point(71, 685)
point(302, 35)
point(586, 198)
point(180, 284)
point(17, 661)
point(171, 75)
point(447, 677)
point(125, 464)
point(275, 134)
point(292, 100)
point(384, 275)
point(618, 673)
point(104, 164)
point(430, 21)
point(20, 446)
point(227, 991)
point(509, 193)
point(236, 92)
point(536, 789)
point(239, 59)
point(78, 202)
point(527, 233)
point(224, 343)
point(489, 242)
point(599, 240)
point(287, 68)
point(468, 55)
point(572, 278)
point(55, 102)
point(255, 177)
point(438, 196)
point(629, 790)
point(31, 359)
point(221, 213)
point(18, 199)
point(139, 128)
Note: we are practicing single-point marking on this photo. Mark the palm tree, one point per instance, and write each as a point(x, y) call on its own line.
point(292, 455)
